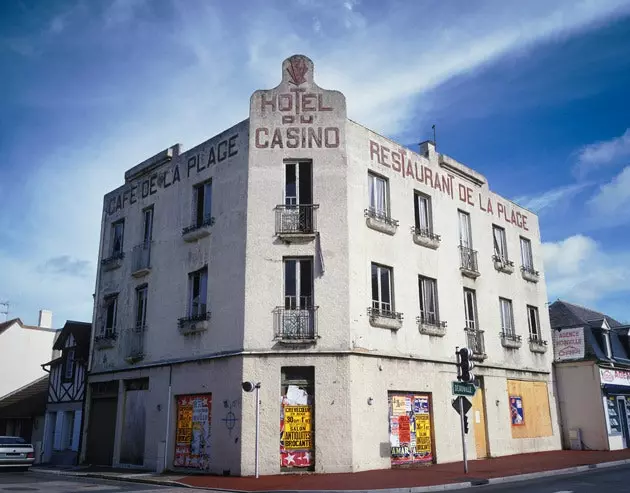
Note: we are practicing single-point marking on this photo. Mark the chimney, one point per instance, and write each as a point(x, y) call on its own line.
point(45, 319)
point(427, 149)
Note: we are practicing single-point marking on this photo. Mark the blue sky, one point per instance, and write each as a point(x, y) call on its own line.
point(532, 94)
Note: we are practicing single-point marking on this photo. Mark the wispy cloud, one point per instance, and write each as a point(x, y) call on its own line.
point(66, 266)
point(611, 203)
point(551, 199)
point(594, 156)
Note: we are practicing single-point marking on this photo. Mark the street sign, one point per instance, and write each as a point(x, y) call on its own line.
point(460, 388)
point(466, 404)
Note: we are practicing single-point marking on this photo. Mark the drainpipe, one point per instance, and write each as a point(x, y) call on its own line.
point(168, 413)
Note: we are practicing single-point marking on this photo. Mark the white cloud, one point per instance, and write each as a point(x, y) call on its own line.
point(580, 270)
point(604, 153)
point(611, 203)
point(383, 64)
point(551, 199)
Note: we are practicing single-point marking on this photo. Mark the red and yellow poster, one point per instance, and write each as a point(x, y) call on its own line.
point(296, 429)
point(410, 428)
point(192, 434)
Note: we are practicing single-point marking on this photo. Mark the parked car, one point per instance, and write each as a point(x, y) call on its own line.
point(16, 452)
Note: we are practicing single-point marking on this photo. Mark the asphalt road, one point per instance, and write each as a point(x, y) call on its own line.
point(609, 479)
point(30, 482)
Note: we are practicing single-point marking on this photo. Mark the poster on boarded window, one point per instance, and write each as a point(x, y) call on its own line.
point(296, 429)
point(192, 433)
point(410, 428)
point(516, 410)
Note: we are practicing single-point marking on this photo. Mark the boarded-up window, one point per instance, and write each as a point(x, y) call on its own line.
point(535, 409)
point(410, 428)
point(297, 423)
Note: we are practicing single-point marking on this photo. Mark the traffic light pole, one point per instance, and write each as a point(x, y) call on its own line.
point(461, 420)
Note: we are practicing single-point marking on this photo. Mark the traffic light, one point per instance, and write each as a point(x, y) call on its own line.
point(465, 423)
point(464, 365)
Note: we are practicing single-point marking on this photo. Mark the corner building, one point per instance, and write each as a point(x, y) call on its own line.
point(340, 270)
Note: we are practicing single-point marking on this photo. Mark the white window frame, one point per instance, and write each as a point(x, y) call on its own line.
point(527, 256)
point(142, 295)
point(607, 343)
point(465, 230)
point(292, 200)
point(534, 332)
point(470, 304)
point(507, 316)
point(428, 295)
point(197, 306)
point(110, 301)
point(379, 304)
point(378, 194)
point(423, 213)
point(69, 364)
point(499, 240)
point(297, 300)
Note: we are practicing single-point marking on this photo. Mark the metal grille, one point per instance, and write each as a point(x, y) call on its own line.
point(475, 341)
point(193, 318)
point(296, 219)
point(503, 261)
point(113, 258)
point(296, 323)
point(530, 270)
point(510, 336)
point(107, 334)
point(380, 216)
point(468, 258)
point(207, 221)
point(382, 312)
point(425, 233)
point(142, 256)
point(430, 319)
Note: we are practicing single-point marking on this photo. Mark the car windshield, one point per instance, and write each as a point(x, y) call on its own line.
point(11, 440)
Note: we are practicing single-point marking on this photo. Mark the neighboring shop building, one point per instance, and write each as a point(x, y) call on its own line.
point(340, 270)
point(592, 368)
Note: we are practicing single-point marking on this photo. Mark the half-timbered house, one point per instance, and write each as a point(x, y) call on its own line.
point(66, 393)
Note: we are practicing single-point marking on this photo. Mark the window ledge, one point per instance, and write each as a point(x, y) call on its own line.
point(505, 266)
point(189, 327)
point(104, 342)
point(472, 274)
point(134, 358)
point(296, 236)
point(389, 228)
point(512, 342)
point(529, 275)
point(479, 356)
point(141, 272)
point(197, 234)
point(435, 330)
point(292, 341)
point(538, 346)
point(112, 263)
point(426, 241)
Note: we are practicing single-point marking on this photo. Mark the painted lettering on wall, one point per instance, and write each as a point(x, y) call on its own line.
point(196, 163)
point(296, 107)
point(397, 160)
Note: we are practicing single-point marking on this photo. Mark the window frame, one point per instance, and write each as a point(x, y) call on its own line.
point(206, 218)
point(110, 301)
point(534, 335)
point(428, 211)
point(69, 363)
point(506, 309)
point(113, 251)
point(373, 178)
point(527, 263)
point(378, 304)
point(470, 298)
point(147, 226)
point(202, 274)
point(299, 166)
point(427, 316)
point(144, 298)
point(468, 225)
point(298, 301)
point(502, 243)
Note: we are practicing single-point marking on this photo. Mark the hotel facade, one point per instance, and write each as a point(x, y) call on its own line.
point(338, 269)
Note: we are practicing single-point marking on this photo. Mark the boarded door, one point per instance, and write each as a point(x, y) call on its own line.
point(132, 442)
point(101, 431)
point(530, 414)
point(297, 418)
point(479, 423)
point(410, 428)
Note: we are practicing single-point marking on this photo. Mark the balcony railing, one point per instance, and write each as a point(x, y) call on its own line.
point(474, 339)
point(191, 319)
point(380, 216)
point(537, 344)
point(529, 273)
point(296, 219)
point(430, 324)
point(425, 233)
point(141, 259)
point(296, 323)
point(430, 319)
point(135, 343)
point(468, 261)
point(106, 339)
point(113, 261)
point(207, 221)
point(502, 264)
point(510, 340)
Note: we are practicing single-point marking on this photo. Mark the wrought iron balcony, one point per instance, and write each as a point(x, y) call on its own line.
point(425, 237)
point(296, 324)
point(468, 262)
point(296, 221)
point(429, 324)
point(195, 322)
point(475, 341)
point(106, 339)
point(113, 261)
point(537, 344)
point(141, 259)
point(502, 264)
point(529, 273)
point(510, 340)
point(135, 343)
point(380, 221)
point(198, 230)
point(381, 315)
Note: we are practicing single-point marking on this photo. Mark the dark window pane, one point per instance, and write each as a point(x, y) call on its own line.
point(291, 186)
point(385, 294)
point(305, 184)
point(375, 296)
point(200, 205)
point(306, 280)
point(207, 202)
point(290, 284)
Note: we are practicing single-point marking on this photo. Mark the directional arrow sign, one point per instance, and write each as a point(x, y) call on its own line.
point(460, 388)
point(467, 404)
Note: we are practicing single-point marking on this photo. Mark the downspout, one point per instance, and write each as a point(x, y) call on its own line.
point(168, 414)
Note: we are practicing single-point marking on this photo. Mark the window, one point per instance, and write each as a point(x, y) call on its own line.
point(141, 306)
point(428, 301)
point(422, 205)
point(203, 204)
point(298, 189)
point(606, 335)
point(526, 254)
point(534, 324)
point(500, 243)
point(465, 234)
point(379, 195)
point(68, 370)
point(118, 229)
point(507, 316)
point(298, 283)
point(111, 305)
point(198, 289)
point(147, 225)
point(382, 296)
point(470, 309)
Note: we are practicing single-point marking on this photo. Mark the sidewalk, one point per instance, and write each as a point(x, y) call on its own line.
point(441, 476)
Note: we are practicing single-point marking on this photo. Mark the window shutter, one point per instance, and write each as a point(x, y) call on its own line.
point(76, 432)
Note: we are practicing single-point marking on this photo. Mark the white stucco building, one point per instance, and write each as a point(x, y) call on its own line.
point(340, 270)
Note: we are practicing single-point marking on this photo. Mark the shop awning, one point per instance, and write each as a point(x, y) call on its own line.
point(609, 388)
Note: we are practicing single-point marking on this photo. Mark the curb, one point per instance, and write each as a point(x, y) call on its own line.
point(411, 489)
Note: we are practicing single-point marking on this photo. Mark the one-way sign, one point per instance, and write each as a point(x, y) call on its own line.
point(466, 403)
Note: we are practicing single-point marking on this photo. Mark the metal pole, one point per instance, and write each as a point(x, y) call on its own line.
point(257, 427)
point(461, 420)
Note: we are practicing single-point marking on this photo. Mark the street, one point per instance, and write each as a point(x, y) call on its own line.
point(52, 483)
